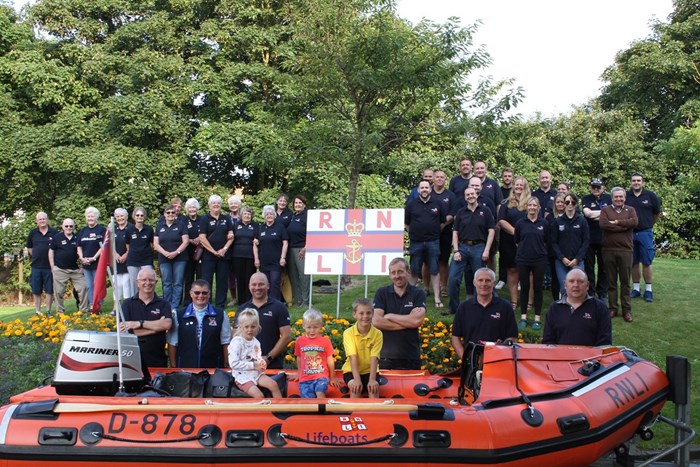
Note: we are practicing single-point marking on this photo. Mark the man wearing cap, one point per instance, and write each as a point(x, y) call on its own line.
point(592, 205)
point(648, 208)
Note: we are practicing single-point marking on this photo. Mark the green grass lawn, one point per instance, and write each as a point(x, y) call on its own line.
point(666, 327)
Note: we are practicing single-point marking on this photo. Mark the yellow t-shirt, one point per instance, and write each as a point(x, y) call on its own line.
point(364, 347)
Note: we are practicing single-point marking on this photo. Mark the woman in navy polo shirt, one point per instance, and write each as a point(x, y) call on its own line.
point(122, 237)
point(193, 268)
point(243, 255)
point(216, 236)
point(90, 240)
point(284, 214)
point(170, 241)
point(272, 250)
point(297, 252)
point(531, 258)
point(140, 247)
point(510, 212)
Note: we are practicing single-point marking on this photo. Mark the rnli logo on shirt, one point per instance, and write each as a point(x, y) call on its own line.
point(434, 210)
point(646, 201)
point(212, 321)
point(481, 213)
point(212, 222)
point(540, 228)
point(496, 315)
point(562, 228)
point(577, 226)
point(587, 316)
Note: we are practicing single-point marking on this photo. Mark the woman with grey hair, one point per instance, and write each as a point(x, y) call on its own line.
point(234, 212)
point(193, 268)
point(216, 236)
point(243, 254)
point(141, 246)
point(272, 250)
point(122, 238)
point(90, 239)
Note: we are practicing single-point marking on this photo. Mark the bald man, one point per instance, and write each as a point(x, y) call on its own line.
point(578, 318)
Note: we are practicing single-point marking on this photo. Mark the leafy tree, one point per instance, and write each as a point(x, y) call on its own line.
point(373, 82)
point(655, 77)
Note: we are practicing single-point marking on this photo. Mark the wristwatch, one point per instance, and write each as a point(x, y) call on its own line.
point(268, 357)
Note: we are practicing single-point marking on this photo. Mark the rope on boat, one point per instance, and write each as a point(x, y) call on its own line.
point(388, 437)
point(377, 404)
point(97, 434)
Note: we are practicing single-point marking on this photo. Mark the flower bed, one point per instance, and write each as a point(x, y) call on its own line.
point(437, 352)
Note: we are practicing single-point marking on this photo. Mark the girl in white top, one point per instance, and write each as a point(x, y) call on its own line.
point(245, 357)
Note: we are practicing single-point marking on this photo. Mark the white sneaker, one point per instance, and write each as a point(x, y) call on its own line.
point(500, 285)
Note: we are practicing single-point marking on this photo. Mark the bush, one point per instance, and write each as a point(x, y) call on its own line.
point(24, 363)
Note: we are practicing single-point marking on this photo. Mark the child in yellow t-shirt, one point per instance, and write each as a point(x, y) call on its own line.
point(363, 344)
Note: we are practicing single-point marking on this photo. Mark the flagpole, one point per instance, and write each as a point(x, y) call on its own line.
point(112, 270)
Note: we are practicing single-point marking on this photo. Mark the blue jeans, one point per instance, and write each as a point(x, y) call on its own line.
point(173, 276)
point(471, 255)
point(562, 271)
point(424, 252)
point(89, 283)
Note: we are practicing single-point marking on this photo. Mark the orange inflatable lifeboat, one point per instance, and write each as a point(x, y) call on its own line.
point(511, 405)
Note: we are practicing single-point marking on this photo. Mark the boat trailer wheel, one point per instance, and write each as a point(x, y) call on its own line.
point(646, 434)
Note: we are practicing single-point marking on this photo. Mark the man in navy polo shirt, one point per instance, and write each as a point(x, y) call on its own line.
point(399, 310)
point(578, 318)
point(41, 278)
point(486, 317)
point(424, 219)
point(648, 208)
point(200, 333)
point(592, 204)
point(460, 182)
point(545, 193)
point(447, 198)
point(63, 258)
point(276, 331)
point(149, 317)
point(472, 236)
point(489, 187)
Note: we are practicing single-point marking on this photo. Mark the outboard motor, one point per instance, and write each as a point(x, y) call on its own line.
point(88, 364)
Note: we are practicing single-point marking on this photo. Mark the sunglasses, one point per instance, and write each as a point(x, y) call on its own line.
point(68, 226)
point(199, 292)
point(568, 202)
point(138, 215)
point(170, 212)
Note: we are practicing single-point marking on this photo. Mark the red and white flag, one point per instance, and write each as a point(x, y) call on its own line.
point(99, 291)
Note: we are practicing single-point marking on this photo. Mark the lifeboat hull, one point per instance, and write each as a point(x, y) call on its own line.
point(570, 406)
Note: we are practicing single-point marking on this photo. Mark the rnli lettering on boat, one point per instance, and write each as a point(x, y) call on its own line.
point(627, 390)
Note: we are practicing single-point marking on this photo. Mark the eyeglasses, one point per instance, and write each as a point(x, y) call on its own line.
point(568, 202)
point(147, 280)
point(170, 212)
point(139, 215)
point(200, 292)
point(68, 226)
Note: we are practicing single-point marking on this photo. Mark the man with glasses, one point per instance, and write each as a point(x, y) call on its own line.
point(592, 204)
point(63, 259)
point(201, 332)
point(149, 317)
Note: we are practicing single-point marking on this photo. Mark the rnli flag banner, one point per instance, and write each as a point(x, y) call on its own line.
point(353, 242)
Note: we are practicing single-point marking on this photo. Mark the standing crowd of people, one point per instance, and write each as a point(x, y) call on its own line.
point(223, 248)
point(539, 236)
point(586, 252)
